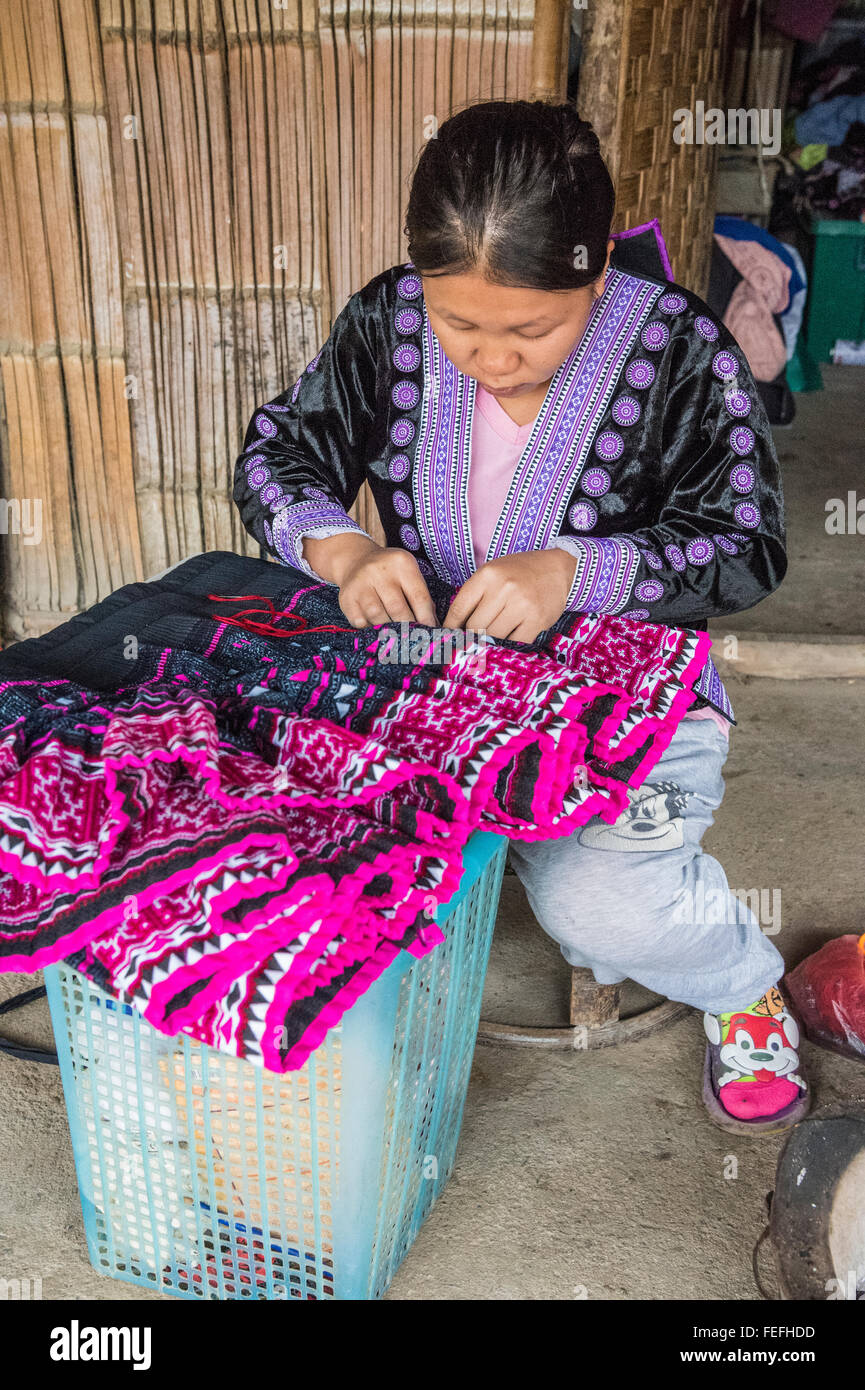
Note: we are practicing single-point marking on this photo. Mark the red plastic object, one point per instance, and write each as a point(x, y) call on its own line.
point(828, 992)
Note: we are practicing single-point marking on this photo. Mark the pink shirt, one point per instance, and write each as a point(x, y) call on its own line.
point(497, 447)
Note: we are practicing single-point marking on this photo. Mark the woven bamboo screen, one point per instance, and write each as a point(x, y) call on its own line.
point(643, 60)
point(189, 191)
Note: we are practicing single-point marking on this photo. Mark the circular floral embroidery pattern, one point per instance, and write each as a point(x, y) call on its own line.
point(706, 328)
point(626, 410)
point(639, 373)
point(724, 543)
point(742, 477)
point(258, 476)
point(268, 534)
point(636, 613)
point(265, 427)
point(253, 461)
point(398, 468)
point(672, 303)
point(271, 494)
point(609, 445)
point(747, 514)
point(738, 402)
point(409, 537)
point(596, 481)
point(583, 516)
point(425, 568)
point(315, 492)
point(649, 590)
point(675, 555)
point(406, 357)
point(699, 552)
point(409, 286)
point(725, 364)
point(742, 440)
point(407, 321)
point(402, 504)
point(402, 432)
point(652, 560)
point(405, 395)
point(655, 336)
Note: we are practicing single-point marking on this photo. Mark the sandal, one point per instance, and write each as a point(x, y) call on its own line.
point(752, 1057)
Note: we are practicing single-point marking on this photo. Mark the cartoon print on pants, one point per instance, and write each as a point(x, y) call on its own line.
point(653, 820)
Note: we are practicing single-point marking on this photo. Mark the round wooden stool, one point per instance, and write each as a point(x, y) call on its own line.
point(595, 1021)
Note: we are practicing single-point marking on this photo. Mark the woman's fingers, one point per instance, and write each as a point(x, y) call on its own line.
point(465, 601)
point(419, 598)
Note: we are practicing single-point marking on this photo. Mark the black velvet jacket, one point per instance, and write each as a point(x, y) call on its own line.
point(651, 459)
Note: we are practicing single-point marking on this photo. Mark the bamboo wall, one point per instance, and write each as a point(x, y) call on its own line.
point(643, 60)
point(190, 190)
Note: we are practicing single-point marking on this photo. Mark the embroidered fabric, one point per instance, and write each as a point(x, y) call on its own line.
point(240, 831)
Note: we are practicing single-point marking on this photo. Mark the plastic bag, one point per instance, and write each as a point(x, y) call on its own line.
point(828, 992)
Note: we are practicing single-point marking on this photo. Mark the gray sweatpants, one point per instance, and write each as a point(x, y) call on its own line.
point(641, 900)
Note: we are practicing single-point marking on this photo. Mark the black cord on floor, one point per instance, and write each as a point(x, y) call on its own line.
point(18, 1050)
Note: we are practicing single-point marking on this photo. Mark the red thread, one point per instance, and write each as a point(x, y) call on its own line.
point(267, 628)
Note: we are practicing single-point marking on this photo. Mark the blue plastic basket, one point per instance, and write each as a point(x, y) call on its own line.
point(204, 1176)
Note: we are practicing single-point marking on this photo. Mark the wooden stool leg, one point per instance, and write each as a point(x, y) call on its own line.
point(591, 1004)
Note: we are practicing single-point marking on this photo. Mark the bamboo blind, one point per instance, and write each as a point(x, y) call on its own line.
point(190, 191)
point(642, 61)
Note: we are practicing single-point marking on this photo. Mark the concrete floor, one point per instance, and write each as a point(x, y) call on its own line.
point(595, 1174)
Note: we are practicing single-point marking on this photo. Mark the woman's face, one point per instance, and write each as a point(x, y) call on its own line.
point(511, 340)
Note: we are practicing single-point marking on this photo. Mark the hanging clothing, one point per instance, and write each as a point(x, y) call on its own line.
point(235, 820)
point(651, 459)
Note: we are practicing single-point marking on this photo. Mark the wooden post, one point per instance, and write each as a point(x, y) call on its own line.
point(550, 50)
point(592, 1004)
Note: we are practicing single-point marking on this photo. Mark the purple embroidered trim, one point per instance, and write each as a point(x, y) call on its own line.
point(672, 303)
point(405, 395)
point(706, 328)
point(296, 390)
point(596, 481)
point(402, 432)
point(651, 226)
point(407, 321)
point(406, 357)
point(742, 477)
point(604, 574)
point(738, 402)
point(725, 364)
point(652, 560)
point(699, 552)
point(545, 479)
point(583, 516)
point(292, 523)
point(265, 427)
point(402, 504)
point(737, 536)
point(640, 373)
point(409, 286)
point(655, 336)
point(626, 410)
point(742, 439)
point(409, 537)
point(315, 361)
point(638, 613)
point(723, 543)
point(317, 492)
point(399, 468)
point(675, 555)
point(747, 514)
point(710, 686)
point(649, 590)
point(609, 445)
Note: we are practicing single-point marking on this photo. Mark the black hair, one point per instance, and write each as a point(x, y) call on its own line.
point(512, 189)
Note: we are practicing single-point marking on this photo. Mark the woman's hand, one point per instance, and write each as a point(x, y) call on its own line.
point(375, 585)
point(516, 596)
